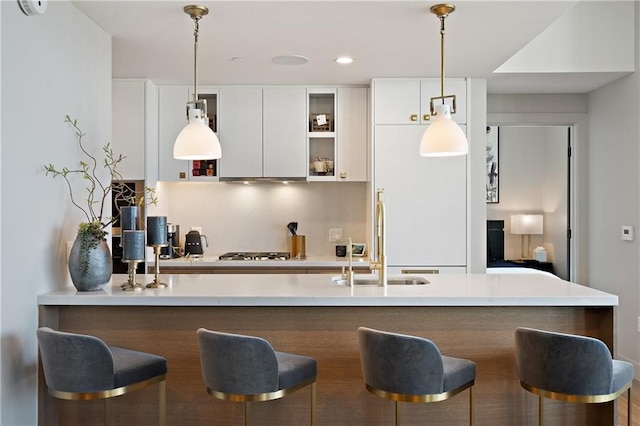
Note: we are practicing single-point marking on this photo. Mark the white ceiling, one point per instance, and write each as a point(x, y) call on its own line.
point(154, 39)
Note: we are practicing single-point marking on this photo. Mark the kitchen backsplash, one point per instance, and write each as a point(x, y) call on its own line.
point(254, 217)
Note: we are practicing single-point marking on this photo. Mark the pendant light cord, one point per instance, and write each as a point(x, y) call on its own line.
point(442, 18)
point(196, 19)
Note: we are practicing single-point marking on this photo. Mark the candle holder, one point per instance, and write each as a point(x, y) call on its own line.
point(131, 284)
point(156, 283)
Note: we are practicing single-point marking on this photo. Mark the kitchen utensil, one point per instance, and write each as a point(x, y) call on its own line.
point(193, 244)
point(293, 227)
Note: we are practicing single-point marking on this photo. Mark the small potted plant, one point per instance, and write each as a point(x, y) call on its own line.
point(90, 259)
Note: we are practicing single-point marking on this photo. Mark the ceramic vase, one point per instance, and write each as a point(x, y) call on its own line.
point(90, 263)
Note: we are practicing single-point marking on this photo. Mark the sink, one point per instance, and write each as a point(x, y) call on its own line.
point(372, 280)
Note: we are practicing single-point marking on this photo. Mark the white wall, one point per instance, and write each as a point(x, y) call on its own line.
point(55, 64)
point(237, 217)
point(614, 187)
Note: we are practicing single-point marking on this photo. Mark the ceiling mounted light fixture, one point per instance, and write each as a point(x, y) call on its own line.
point(344, 60)
point(443, 137)
point(196, 141)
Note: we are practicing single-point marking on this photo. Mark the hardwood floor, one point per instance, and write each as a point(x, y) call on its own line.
point(635, 406)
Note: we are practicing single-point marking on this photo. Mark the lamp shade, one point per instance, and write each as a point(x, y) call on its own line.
point(443, 137)
point(196, 141)
point(529, 224)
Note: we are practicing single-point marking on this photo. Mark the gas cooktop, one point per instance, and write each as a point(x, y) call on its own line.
point(255, 255)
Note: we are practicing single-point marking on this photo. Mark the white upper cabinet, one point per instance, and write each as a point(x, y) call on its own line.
point(240, 130)
point(262, 132)
point(351, 161)
point(284, 124)
point(172, 117)
point(425, 197)
point(400, 101)
point(128, 126)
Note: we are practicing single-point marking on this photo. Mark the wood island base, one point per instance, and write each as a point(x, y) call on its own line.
point(483, 334)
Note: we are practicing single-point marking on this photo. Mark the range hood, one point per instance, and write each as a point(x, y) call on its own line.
point(264, 179)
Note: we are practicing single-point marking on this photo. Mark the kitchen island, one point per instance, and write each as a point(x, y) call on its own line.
point(471, 316)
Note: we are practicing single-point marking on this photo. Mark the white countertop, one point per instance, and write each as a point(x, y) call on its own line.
point(213, 261)
point(318, 290)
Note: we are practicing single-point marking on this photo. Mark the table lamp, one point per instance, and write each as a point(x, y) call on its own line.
point(526, 225)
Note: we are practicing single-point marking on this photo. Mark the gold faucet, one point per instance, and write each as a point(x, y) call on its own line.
point(379, 263)
point(348, 275)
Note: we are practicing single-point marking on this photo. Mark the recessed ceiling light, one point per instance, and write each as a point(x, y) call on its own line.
point(290, 60)
point(344, 60)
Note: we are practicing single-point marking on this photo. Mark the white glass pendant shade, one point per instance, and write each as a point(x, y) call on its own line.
point(443, 137)
point(196, 141)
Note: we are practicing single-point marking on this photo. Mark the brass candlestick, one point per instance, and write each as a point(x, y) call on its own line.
point(156, 283)
point(131, 284)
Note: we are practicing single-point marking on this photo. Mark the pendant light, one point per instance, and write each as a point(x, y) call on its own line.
point(443, 137)
point(196, 141)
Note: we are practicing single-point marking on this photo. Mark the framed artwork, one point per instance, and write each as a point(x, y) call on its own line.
point(493, 169)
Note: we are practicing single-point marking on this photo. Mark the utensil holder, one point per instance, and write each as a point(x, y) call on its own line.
point(298, 247)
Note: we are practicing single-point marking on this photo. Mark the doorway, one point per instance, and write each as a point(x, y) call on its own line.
point(530, 173)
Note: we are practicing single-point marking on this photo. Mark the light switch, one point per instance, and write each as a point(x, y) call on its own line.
point(627, 233)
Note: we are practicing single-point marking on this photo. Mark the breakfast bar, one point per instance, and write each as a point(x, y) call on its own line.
point(470, 316)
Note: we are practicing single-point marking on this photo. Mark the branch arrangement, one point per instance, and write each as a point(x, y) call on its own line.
point(97, 192)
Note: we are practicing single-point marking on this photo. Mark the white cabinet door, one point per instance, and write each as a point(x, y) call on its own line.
point(454, 86)
point(396, 101)
point(128, 126)
point(399, 101)
point(351, 126)
point(240, 130)
point(425, 198)
point(172, 117)
point(285, 131)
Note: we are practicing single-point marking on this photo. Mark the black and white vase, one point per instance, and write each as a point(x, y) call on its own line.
point(90, 263)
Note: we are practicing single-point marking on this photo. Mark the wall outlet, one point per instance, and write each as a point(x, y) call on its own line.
point(335, 234)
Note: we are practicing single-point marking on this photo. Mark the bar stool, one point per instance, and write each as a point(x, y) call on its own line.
point(247, 369)
point(81, 367)
point(411, 369)
point(569, 368)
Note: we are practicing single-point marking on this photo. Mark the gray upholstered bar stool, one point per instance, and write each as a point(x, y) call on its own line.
point(247, 369)
point(81, 367)
point(412, 369)
point(571, 368)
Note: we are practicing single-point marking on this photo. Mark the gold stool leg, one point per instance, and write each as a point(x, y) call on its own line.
point(162, 403)
point(246, 413)
point(540, 411)
point(313, 404)
point(397, 415)
point(471, 410)
point(629, 405)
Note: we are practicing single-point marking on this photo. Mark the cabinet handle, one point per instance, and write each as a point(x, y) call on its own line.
point(343, 175)
point(182, 175)
point(414, 117)
point(420, 271)
point(426, 117)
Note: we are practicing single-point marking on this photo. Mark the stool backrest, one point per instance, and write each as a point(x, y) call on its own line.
point(564, 363)
point(233, 363)
point(400, 363)
point(75, 362)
